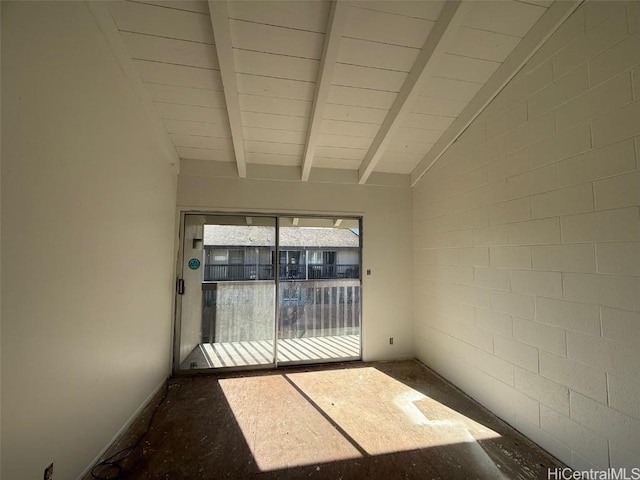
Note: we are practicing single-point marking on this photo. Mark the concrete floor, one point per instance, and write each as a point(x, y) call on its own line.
point(349, 421)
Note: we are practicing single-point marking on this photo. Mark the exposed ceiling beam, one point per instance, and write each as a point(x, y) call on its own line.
point(219, 15)
point(443, 31)
point(335, 27)
point(539, 33)
point(106, 24)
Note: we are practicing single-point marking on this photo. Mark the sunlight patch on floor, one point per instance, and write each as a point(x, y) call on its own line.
point(282, 429)
point(308, 418)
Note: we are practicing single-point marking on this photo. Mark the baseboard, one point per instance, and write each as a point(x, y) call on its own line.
point(124, 427)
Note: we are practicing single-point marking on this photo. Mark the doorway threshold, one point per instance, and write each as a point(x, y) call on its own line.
point(302, 350)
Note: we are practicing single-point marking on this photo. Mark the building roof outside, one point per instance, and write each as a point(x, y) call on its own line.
point(298, 237)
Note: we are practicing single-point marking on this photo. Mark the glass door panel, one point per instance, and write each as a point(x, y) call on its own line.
point(228, 302)
point(319, 290)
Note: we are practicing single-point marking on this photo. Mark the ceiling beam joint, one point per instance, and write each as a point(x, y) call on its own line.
point(548, 23)
point(335, 27)
point(219, 15)
point(444, 30)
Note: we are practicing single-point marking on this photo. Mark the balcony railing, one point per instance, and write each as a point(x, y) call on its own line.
point(235, 272)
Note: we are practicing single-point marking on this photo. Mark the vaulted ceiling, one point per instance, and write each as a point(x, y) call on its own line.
point(365, 87)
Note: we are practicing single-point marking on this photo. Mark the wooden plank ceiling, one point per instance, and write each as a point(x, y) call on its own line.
point(366, 86)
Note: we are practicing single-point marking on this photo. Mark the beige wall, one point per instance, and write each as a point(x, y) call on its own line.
point(88, 222)
point(527, 246)
point(387, 295)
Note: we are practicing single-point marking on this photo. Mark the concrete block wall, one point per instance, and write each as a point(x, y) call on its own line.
point(527, 246)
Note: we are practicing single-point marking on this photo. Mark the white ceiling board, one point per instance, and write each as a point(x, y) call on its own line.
point(219, 17)
point(471, 42)
point(387, 28)
point(280, 106)
point(201, 142)
point(279, 40)
point(182, 127)
point(409, 147)
point(277, 66)
point(341, 163)
point(178, 75)
point(504, 16)
point(437, 106)
point(430, 122)
point(377, 55)
point(206, 154)
point(344, 141)
point(308, 15)
point(336, 152)
point(273, 147)
point(270, 135)
point(431, 53)
point(333, 35)
point(273, 159)
point(365, 77)
point(169, 50)
point(407, 135)
point(428, 10)
point(297, 104)
point(275, 87)
point(188, 5)
point(401, 157)
point(185, 95)
point(540, 3)
point(450, 88)
point(163, 22)
point(466, 68)
point(190, 113)
point(349, 128)
point(350, 113)
point(276, 122)
point(109, 30)
point(360, 97)
point(534, 39)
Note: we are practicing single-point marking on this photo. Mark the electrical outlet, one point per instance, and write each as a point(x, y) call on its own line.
point(48, 472)
point(390, 340)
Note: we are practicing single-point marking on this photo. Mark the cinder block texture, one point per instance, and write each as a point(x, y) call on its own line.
point(545, 188)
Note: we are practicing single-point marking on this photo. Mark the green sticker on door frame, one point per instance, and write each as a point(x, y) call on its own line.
point(194, 264)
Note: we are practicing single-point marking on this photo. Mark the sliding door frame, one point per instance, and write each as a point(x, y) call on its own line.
point(183, 213)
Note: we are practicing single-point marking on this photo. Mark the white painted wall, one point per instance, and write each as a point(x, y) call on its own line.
point(88, 222)
point(527, 246)
point(387, 294)
point(0, 255)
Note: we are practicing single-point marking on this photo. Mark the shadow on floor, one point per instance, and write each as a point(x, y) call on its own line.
point(349, 421)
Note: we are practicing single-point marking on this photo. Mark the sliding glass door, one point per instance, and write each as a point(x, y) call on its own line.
point(319, 290)
point(227, 292)
point(258, 291)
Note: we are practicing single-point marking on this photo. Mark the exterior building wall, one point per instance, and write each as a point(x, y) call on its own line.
point(527, 246)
